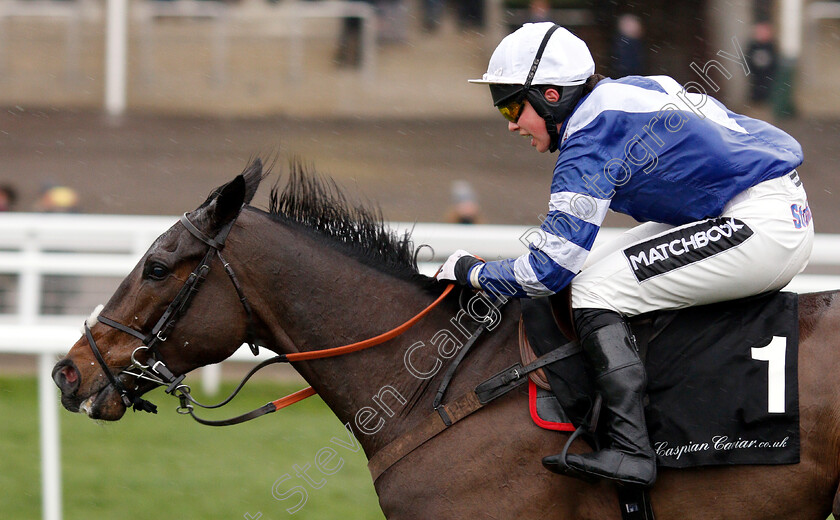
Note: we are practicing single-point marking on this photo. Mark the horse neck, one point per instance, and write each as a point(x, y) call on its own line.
point(310, 296)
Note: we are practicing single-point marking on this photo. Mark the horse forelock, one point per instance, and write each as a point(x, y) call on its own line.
point(318, 204)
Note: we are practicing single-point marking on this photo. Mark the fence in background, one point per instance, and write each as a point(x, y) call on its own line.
point(286, 17)
point(267, 18)
point(55, 268)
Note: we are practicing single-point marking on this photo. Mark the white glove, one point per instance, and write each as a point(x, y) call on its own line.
point(447, 270)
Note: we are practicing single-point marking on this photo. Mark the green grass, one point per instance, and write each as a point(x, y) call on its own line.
point(167, 466)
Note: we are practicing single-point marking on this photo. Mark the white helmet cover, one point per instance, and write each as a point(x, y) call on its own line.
point(565, 61)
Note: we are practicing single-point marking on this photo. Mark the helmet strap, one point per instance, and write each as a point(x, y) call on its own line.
point(553, 133)
point(554, 113)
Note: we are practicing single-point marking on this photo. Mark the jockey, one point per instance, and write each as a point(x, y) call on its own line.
point(725, 214)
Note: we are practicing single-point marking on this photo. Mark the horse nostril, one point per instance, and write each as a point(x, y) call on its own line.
point(66, 377)
point(70, 375)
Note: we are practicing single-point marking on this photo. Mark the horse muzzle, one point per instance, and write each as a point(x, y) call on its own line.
point(104, 403)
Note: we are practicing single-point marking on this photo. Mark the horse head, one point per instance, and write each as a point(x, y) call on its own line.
point(163, 321)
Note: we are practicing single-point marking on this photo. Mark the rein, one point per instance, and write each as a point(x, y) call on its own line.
point(156, 371)
point(187, 400)
point(376, 340)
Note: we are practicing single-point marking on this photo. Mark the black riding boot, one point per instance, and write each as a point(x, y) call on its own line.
point(621, 380)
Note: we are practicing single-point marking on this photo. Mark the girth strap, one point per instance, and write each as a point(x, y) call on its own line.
point(634, 502)
point(462, 407)
point(431, 426)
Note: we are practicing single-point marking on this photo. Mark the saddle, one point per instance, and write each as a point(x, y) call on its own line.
point(543, 321)
point(684, 430)
point(709, 379)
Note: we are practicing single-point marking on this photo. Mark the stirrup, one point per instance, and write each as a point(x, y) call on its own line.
point(639, 470)
point(562, 467)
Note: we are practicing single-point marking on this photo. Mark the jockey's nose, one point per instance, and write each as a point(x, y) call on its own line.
point(66, 376)
point(513, 127)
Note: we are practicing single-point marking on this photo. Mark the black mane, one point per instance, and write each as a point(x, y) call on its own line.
point(318, 204)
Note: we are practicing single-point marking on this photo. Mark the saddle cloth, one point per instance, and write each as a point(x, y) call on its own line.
point(722, 380)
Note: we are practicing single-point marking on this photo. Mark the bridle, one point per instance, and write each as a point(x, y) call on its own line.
point(156, 371)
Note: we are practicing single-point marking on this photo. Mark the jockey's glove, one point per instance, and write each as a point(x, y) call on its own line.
point(461, 267)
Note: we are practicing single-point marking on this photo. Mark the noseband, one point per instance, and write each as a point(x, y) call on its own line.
point(155, 370)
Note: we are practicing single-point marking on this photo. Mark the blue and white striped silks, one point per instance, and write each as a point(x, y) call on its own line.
point(645, 147)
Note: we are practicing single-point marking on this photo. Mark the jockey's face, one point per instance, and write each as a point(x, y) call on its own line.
point(530, 124)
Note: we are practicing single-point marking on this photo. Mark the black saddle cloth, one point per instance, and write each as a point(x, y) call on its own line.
point(722, 379)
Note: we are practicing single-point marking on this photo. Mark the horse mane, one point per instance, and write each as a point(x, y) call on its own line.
point(319, 205)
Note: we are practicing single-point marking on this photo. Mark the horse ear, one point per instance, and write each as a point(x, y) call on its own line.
point(228, 201)
point(225, 202)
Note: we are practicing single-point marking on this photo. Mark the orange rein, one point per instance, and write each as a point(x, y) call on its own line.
point(353, 347)
point(291, 399)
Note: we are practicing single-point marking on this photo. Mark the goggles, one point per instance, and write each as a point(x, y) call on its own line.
point(510, 99)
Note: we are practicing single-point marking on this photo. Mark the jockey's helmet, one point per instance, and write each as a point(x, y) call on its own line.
point(535, 57)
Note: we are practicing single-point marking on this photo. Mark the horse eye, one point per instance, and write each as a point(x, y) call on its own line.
point(157, 272)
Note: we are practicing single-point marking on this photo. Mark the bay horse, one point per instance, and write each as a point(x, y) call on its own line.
point(317, 272)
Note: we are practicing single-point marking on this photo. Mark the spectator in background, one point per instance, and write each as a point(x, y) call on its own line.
point(59, 291)
point(8, 197)
point(349, 53)
point(432, 14)
point(539, 11)
point(628, 47)
point(470, 14)
point(57, 199)
point(761, 59)
point(465, 209)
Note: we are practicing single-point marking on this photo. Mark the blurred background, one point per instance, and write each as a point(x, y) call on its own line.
point(372, 92)
point(142, 107)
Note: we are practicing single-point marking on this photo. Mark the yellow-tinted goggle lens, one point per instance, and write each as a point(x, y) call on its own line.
point(512, 110)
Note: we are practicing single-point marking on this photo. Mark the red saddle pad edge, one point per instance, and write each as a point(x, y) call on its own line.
point(539, 421)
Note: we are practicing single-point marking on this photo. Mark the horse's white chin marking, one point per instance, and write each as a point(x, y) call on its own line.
point(87, 405)
point(93, 316)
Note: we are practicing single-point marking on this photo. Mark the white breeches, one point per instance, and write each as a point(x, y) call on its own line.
point(760, 242)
